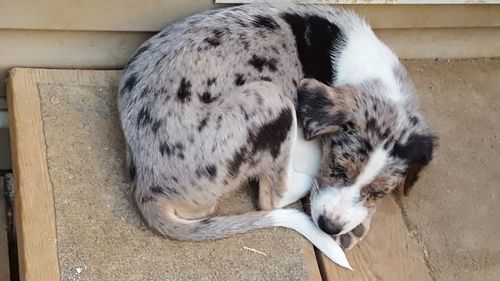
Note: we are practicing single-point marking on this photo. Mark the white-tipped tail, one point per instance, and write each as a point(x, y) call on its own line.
point(163, 218)
point(302, 223)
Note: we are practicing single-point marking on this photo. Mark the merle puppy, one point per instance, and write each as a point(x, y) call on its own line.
point(210, 102)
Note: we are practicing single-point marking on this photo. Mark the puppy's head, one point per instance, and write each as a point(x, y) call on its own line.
point(370, 145)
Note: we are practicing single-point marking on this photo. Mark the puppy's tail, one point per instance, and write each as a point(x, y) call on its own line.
point(164, 219)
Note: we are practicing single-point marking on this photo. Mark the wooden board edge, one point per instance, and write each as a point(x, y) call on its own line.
point(311, 262)
point(405, 256)
point(310, 252)
point(34, 211)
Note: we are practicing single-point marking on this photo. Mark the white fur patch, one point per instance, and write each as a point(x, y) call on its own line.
point(305, 158)
point(342, 205)
point(306, 155)
point(302, 223)
point(365, 57)
point(375, 164)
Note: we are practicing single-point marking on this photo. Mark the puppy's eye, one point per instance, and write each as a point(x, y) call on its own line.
point(376, 194)
point(338, 172)
point(371, 192)
point(348, 128)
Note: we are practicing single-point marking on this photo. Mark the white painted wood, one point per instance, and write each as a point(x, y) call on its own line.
point(369, 1)
point(87, 15)
point(154, 15)
point(111, 50)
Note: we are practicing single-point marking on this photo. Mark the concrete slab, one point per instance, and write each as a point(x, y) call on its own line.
point(454, 207)
point(100, 235)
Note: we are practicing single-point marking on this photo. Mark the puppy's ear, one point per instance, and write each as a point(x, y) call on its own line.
point(417, 152)
point(321, 109)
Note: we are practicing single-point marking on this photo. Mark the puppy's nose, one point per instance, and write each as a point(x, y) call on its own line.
point(327, 226)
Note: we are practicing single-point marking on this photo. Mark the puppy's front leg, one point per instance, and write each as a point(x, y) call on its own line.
point(305, 158)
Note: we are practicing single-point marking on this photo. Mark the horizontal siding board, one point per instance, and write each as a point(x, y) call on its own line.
point(97, 15)
point(453, 43)
point(111, 50)
point(429, 16)
point(392, 2)
point(153, 15)
point(66, 49)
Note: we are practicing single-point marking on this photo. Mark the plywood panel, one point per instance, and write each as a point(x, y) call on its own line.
point(387, 253)
point(153, 15)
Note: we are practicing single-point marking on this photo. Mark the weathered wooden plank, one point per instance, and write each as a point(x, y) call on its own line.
point(387, 253)
point(33, 203)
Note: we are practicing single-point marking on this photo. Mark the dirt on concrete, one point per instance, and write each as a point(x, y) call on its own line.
point(454, 209)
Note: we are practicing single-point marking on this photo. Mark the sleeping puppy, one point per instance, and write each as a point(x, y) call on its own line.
point(371, 143)
point(210, 102)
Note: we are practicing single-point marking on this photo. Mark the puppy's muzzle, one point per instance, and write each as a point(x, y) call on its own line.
point(329, 227)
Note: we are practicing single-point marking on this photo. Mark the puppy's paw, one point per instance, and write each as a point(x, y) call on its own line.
point(348, 240)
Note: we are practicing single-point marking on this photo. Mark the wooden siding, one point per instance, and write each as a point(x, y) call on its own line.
point(93, 34)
